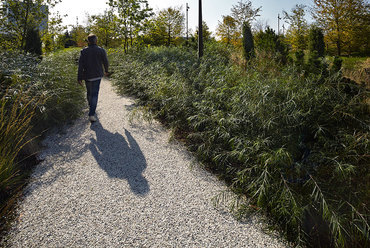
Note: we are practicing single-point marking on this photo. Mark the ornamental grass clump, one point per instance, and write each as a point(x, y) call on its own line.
point(297, 146)
point(35, 95)
point(17, 109)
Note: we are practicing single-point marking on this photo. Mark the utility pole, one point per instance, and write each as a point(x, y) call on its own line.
point(279, 18)
point(200, 32)
point(187, 22)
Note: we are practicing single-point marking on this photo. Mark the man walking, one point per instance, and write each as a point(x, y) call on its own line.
point(90, 69)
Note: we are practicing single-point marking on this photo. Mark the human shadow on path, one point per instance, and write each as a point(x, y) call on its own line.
point(120, 158)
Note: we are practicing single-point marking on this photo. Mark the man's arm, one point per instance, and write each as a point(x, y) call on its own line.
point(80, 68)
point(105, 63)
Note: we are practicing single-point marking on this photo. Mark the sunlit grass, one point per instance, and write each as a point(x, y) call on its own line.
point(35, 96)
point(297, 146)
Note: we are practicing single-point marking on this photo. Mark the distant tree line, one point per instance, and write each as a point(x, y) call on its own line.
point(343, 24)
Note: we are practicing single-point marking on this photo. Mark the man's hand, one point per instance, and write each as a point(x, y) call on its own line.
point(80, 82)
point(108, 74)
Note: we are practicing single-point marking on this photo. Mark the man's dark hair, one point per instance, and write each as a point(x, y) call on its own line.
point(92, 39)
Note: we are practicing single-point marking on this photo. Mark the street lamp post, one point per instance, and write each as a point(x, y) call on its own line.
point(200, 32)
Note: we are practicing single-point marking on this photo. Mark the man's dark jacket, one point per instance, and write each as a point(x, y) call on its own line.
point(92, 60)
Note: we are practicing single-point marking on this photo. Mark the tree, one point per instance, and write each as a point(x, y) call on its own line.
point(105, 27)
point(65, 40)
point(343, 21)
point(79, 35)
point(316, 41)
point(298, 27)
point(33, 41)
point(154, 34)
point(248, 44)
point(227, 30)
point(50, 35)
point(131, 17)
point(171, 22)
point(19, 16)
point(243, 12)
point(260, 25)
point(207, 34)
point(268, 42)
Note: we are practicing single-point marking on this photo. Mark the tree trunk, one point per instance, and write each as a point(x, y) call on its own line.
point(131, 34)
point(338, 37)
point(169, 35)
point(25, 27)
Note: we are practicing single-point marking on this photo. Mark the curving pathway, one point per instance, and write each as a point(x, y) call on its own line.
point(116, 184)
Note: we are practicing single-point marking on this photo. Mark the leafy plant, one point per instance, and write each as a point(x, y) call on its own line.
point(35, 96)
point(316, 41)
point(248, 43)
point(296, 146)
point(272, 44)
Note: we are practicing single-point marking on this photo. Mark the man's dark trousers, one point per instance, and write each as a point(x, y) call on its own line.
point(92, 95)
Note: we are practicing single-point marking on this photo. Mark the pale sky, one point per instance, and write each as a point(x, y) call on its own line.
point(213, 10)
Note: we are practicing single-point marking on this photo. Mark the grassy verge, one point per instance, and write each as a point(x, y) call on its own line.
point(297, 147)
point(35, 95)
point(356, 69)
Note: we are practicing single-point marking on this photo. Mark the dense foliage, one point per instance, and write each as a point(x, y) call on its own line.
point(248, 43)
point(316, 41)
point(296, 146)
point(35, 95)
point(345, 24)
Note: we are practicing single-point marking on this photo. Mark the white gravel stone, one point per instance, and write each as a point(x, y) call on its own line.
point(119, 184)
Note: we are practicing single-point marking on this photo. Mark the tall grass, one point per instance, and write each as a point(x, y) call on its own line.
point(35, 95)
point(297, 146)
point(16, 113)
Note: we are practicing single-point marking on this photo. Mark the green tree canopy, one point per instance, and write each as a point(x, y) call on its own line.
point(298, 27)
point(18, 17)
point(345, 23)
point(170, 22)
point(316, 41)
point(227, 30)
point(207, 34)
point(131, 17)
point(243, 12)
point(105, 27)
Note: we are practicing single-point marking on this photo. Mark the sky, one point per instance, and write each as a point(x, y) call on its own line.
point(213, 10)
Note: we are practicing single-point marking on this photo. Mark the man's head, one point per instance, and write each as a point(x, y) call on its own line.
point(92, 39)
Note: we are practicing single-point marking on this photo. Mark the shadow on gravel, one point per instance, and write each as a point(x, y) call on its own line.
point(120, 158)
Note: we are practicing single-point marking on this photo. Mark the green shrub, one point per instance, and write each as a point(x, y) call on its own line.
point(269, 42)
point(337, 64)
point(296, 148)
point(35, 95)
point(33, 41)
point(316, 41)
point(248, 43)
point(299, 58)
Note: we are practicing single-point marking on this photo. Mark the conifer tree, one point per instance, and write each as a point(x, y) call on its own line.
point(33, 41)
point(248, 44)
point(316, 41)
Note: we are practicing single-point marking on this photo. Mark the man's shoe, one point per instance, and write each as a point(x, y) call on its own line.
point(92, 118)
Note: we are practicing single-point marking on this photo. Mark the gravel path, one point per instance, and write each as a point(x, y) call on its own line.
point(116, 184)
